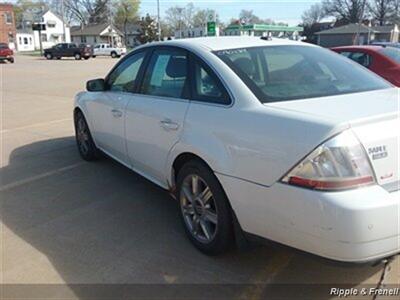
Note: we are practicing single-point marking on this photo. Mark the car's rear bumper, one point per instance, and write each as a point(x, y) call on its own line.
point(7, 57)
point(356, 225)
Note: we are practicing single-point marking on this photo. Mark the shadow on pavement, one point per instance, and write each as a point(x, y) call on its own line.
point(100, 223)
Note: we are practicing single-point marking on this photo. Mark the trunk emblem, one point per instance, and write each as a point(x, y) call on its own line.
point(378, 152)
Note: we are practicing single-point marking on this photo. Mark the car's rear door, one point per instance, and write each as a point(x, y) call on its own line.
point(155, 116)
point(108, 111)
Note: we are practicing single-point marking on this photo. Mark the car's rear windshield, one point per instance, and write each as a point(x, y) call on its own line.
point(3, 46)
point(392, 53)
point(281, 73)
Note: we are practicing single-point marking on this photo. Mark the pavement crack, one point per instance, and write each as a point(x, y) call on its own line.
point(386, 268)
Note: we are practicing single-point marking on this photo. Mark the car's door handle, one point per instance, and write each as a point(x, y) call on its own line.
point(116, 113)
point(167, 124)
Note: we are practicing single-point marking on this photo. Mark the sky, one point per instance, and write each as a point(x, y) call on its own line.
point(288, 11)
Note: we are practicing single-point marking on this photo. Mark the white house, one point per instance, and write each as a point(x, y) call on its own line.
point(54, 33)
point(25, 40)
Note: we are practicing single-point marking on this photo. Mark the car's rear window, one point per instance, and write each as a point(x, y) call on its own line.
point(3, 46)
point(392, 53)
point(280, 73)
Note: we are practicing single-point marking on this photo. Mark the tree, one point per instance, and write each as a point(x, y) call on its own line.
point(148, 28)
point(201, 17)
point(127, 12)
point(381, 10)
point(175, 17)
point(313, 15)
point(26, 10)
point(88, 11)
point(248, 17)
point(351, 11)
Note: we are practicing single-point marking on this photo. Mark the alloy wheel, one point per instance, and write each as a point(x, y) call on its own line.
point(199, 209)
point(83, 135)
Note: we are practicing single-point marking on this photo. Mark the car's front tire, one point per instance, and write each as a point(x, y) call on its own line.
point(86, 146)
point(114, 55)
point(205, 209)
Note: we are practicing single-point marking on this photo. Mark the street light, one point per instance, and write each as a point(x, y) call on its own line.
point(159, 20)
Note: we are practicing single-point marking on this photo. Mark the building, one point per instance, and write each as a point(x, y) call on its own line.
point(25, 40)
point(263, 30)
point(96, 34)
point(133, 32)
point(357, 34)
point(7, 25)
point(56, 31)
point(194, 32)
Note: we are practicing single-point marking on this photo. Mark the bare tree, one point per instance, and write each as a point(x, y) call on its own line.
point(201, 17)
point(248, 17)
point(351, 11)
point(87, 11)
point(381, 10)
point(314, 14)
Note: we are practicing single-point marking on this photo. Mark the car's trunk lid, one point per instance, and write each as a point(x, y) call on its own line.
point(373, 116)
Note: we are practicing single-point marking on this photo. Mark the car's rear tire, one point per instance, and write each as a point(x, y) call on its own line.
point(49, 56)
point(86, 146)
point(114, 54)
point(94, 56)
point(87, 58)
point(12, 60)
point(78, 56)
point(205, 209)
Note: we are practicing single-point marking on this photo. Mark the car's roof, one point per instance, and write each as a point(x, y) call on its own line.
point(227, 42)
point(369, 47)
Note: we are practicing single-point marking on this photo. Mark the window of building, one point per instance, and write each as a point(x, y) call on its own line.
point(44, 37)
point(9, 19)
point(83, 39)
point(25, 41)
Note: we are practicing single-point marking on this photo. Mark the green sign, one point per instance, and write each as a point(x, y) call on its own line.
point(211, 29)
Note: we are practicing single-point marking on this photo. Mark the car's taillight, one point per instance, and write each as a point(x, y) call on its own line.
point(340, 163)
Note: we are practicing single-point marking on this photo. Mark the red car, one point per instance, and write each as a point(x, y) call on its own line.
point(6, 54)
point(384, 61)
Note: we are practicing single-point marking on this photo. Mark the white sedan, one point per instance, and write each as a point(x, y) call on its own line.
point(271, 138)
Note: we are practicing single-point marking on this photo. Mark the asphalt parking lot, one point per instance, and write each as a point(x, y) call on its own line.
point(65, 221)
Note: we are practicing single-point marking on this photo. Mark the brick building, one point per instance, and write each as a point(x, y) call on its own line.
point(7, 25)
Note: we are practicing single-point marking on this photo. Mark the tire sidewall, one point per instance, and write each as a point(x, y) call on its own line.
point(93, 152)
point(224, 235)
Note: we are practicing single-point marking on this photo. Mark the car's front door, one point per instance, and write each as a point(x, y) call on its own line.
point(155, 117)
point(108, 110)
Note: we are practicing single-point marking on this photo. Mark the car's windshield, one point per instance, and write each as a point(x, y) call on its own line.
point(392, 53)
point(279, 73)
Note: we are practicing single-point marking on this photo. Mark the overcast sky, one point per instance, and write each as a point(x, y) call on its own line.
point(288, 11)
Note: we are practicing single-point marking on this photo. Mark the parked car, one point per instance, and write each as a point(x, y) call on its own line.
point(6, 54)
point(108, 50)
point(384, 61)
point(386, 44)
point(277, 139)
point(69, 50)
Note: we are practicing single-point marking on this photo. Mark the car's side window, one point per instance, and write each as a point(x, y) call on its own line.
point(123, 78)
point(206, 86)
point(362, 58)
point(166, 75)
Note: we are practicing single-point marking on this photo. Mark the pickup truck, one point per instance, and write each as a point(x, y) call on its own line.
point(69, 50)
point(6, 54)
point(108, 50)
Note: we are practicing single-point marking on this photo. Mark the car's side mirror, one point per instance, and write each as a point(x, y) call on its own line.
point(96, 85)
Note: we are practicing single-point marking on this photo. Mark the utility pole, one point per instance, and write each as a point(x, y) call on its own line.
point(159, 20)
point(63, 21)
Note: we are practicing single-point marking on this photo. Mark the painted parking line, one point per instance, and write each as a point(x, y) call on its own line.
point(35, 125)
point(38, 177)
